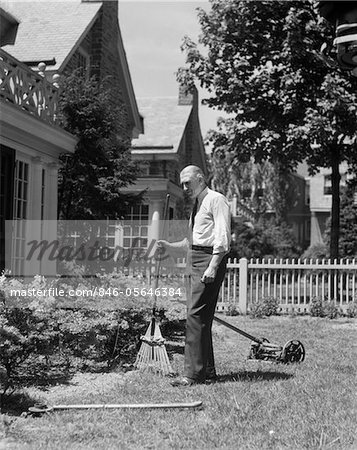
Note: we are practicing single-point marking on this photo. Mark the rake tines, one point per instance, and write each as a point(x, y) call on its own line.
point(152, 355)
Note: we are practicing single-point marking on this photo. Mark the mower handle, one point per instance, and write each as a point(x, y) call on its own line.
point(237, 330)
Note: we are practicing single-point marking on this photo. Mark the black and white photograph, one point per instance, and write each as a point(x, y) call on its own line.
point(178, 224)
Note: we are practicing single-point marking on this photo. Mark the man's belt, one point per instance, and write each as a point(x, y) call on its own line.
point(201, 248)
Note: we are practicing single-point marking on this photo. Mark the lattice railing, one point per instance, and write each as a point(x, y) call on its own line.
point(27, 89)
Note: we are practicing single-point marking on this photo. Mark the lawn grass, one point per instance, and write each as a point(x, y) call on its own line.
point(254, 405)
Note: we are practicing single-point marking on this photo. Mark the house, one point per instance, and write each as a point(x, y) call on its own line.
point(31, 142)
point(42, 41)
point(69, 35)
point(171, 140)
point(320, 194)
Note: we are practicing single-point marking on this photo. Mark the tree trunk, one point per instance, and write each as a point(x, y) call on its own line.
point(335, 211)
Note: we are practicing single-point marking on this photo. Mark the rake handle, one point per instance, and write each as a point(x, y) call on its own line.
point(158, 267)
point(158, 262)
point(131, 406)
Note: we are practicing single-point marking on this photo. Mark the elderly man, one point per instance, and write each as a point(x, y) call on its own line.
point(207, 251)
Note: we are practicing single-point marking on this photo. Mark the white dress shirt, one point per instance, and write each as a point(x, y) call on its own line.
point(212, 224)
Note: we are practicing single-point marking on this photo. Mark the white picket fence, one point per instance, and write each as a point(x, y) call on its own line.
point(294, 283)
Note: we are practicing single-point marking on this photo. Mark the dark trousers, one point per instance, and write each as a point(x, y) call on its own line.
point(201, 305)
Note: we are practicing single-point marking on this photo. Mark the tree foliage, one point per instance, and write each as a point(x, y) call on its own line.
point(257, 186)
point(348, 240)
point(266, 239)
point(91, 180)
point(269, 65)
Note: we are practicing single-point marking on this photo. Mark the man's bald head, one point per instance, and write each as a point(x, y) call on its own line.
point(194, 171)
point(192, 180)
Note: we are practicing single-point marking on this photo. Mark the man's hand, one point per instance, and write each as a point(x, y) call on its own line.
point(173, 248)
point(163, 245)
point(209, 275)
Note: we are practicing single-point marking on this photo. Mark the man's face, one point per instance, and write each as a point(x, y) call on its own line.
point(191, 184)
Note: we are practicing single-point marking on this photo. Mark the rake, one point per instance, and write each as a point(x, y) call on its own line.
point(152, 355)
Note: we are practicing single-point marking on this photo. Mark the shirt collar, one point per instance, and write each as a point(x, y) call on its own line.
point(202, 195)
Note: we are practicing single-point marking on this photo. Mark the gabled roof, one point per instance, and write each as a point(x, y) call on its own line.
point(49, 29)
point(164, 123)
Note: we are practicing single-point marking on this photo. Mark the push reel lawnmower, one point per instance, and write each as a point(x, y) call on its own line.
point(262, 349)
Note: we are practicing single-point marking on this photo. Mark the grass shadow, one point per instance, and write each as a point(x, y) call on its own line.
point(255, 376)
point(43, 379)
point(16, 403)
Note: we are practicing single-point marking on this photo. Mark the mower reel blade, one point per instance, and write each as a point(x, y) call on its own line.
point(265, 351)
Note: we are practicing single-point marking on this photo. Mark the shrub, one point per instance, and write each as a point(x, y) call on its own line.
point(265, 307)
point(351, 311)
point(29, 345)
point(49, 338)
point(316, 307)
point(324, 308)
point(232, 310)
point(316, 251)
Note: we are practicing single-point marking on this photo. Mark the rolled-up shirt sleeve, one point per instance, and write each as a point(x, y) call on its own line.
point(222, 225)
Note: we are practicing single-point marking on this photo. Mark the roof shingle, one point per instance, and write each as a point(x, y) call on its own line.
point(164, 122)
point(49, 29)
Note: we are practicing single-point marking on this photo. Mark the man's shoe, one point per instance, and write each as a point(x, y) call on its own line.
point(211, 378)
point(184, 381)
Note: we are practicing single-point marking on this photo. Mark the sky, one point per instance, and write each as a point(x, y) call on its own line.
point(152, 33)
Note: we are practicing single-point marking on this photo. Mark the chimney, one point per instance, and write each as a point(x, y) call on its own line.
point(185, 97)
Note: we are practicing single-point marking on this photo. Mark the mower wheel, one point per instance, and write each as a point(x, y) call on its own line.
point(293, 352)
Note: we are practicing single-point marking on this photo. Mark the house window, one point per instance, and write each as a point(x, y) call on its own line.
point(43, 186)
point(327, 185)
point(307, 230)
point(144, 169)
point(83, 61)
point(307, 193)
point(20, 213)
point(21, 190)
point(156, 169)
point(7, 161)
point(135, 233)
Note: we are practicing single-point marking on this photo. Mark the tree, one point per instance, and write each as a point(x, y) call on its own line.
point(257, 186)
point(90, 180)
point(348, 222)
point(288, 101)
point(266, 239)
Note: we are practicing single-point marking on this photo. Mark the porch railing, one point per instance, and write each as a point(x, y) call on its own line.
point(27, 89)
